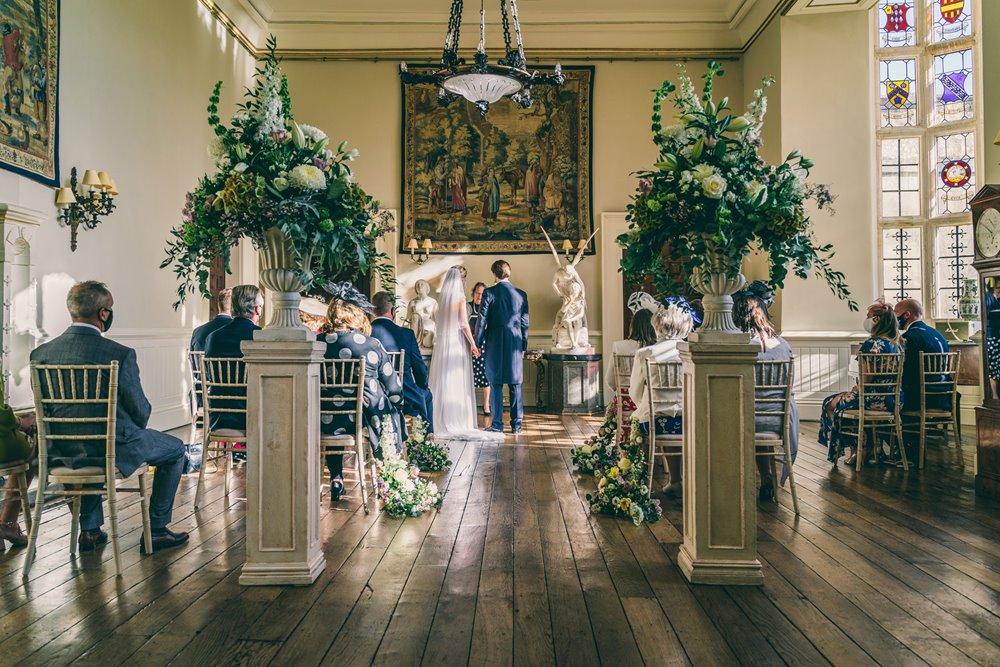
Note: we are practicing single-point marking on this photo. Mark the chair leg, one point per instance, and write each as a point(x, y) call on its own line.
point(651, 457)
point(22, 490)
point(956, 427)
point(200, 492)
point(359, 462)
point(147, 531)
point(113, 533)
point(859, 454)
point(902, 446)
point(29, 556)
point(923, 441)
point(791, 476)
point(227, 459)
point(74, 531)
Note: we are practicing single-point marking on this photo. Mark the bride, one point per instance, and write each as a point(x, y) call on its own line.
point(451, 366)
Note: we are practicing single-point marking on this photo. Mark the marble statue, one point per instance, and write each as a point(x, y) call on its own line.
point(420, 316)
point(570, 334)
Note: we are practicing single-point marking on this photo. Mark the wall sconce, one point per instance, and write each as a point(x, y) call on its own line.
point(427, 245)
point(567, 247)
point(85, 203)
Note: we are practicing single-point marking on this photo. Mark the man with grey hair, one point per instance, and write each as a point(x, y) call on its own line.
point(224, 301)
point(248, 305)
point(91, 307)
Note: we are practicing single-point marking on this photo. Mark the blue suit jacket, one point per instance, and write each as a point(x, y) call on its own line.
point(395, 338)
point(503, 333)
point(225, 342)
point(199, 337)
point(919, 337)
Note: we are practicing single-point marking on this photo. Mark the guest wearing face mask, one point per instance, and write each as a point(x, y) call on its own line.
point(917, 337)
point(883, 331)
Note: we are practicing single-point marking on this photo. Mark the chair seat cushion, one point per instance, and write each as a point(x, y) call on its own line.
point(91, 471)
point(229, 433)
point(880, 414)
point(13, 467)
point(669, 437)
point(338, 440)
point(936, 414)
point(767, 435)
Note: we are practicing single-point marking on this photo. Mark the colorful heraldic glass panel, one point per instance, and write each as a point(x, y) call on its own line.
point(953, 87)
point(897, 92)
point(953, 267)
point(901, 263)
point(900, 177)
point(954, 159)
point(951, 19)
point(896, 20)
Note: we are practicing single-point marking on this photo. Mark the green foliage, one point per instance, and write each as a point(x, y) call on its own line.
point(710, 198)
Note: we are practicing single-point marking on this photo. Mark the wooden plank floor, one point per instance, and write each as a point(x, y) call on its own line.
point(881, 567)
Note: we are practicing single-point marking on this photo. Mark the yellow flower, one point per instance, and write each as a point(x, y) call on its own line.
point(614, 471)
point(624, 464)
point(602, 483)
point(625, 504)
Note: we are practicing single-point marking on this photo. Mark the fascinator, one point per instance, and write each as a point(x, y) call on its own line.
point(345, 291)
point(759, 290)
point(642, 300)
point(682, 303)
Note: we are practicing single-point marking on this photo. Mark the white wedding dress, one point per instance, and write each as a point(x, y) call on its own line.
point(450, 378)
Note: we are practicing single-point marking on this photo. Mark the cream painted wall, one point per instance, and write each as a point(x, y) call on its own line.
point(360, 102)
point(991, 90)
point(827, 113)
point(134, 83)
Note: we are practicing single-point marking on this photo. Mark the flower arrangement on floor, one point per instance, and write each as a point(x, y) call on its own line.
point(424, 451)
point(272, 172)
point(711, 198)
point(599, 452)
point(401, 491)
point(622, 489)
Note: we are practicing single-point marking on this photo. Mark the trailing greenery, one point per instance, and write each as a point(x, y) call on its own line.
point(424, 451)
point(711, 198)
point(273, 172)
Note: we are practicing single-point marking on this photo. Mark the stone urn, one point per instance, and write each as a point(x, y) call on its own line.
point(281, 272)
point(968, 303)
point(717, 283)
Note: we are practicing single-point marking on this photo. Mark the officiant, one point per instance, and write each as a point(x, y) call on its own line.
point(479, 363)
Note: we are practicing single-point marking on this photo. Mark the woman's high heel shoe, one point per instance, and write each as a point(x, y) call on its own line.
point(10, 531)
point(766, 493)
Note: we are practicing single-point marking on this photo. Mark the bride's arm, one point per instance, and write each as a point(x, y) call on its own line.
point(463, 319)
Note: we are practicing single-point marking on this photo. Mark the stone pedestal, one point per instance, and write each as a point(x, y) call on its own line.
point(720, 506)
point(574, 383)
point(283, 468)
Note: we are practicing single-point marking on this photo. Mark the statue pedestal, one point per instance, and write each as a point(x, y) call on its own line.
point(574, 383)
point(283, 468)
point(720, 507)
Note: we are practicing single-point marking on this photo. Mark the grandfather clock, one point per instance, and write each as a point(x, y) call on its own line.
point(986, 232)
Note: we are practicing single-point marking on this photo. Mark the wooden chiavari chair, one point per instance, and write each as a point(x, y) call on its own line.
point(341, 388)
point(773, 401)
point(224, 382)
point(664, 390)
point(939, 385)
point(623, 377)
point(879, 377)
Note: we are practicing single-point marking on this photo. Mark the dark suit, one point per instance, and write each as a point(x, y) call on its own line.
point(135, 444)
point(503, 337)
point(199, 337)
point(919, 337)
point(416, 395)
point(226, 342)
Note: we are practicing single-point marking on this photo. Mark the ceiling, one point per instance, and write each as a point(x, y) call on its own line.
point(345, 29)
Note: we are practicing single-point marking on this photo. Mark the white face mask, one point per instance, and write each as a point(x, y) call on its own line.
point(869, 324)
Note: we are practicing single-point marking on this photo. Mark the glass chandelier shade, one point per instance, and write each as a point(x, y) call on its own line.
point(480, 82)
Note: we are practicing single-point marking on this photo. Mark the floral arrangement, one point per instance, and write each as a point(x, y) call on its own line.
point(711, 198)
point(622, 489)
point(424, 451)
point(274, 172)
point(599, 451)
point(401, 490)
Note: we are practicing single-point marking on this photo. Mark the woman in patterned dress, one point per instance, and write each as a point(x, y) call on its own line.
point(993, 336)
point(348, 337)
point(883, 328)
point(479, 363)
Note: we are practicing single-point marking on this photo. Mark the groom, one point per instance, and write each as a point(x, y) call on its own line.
point(503, 336)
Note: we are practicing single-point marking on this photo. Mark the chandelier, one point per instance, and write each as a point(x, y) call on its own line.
point(480, 82)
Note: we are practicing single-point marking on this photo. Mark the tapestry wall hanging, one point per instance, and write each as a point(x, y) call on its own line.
point(490, 185)
point(29, 30)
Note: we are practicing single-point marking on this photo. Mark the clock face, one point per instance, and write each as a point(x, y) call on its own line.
point(988, 233)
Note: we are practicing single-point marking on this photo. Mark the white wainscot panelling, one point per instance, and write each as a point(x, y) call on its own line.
point(163, 367)
point(822, 367)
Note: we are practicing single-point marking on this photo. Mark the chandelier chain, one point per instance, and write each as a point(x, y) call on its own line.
point(506, 25)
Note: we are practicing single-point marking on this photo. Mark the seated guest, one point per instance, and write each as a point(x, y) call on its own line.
point(199, 336)
point(751, 316)
point(881, 325)
point(672, 324)
point(14, 446)
point(349, 337)
point(917, 336)
point(248, 304)
point(91, 308)
point(640, 334)
point(416, 395)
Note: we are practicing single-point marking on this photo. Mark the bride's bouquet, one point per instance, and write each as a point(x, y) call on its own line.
point(424, 451)
point(401, 490)
point(622, 489)
point(598, 452)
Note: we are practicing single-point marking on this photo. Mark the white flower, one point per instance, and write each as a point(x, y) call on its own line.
point(675, 132)
point(686, 176)
point(702, 171)
point(241, 167)
point(400, 476)
point(313, 134)
point(217, 148)
point(351, 154)
point(267, 111)
point(418, 438)
point(408, 485)
point(754, 188)
point(714, 186)
point(307, 177)
point(280, 184)
point(432, 489)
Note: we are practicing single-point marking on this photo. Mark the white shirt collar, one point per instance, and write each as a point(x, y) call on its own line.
point(87, 324)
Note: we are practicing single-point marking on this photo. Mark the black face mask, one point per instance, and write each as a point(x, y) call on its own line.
point(107, 322)
point(902, 323)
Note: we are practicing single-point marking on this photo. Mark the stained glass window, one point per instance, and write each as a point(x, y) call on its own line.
point(896, 23)
point(950, 19)
point(898, 92)
point(902, 270)
point(954, 266)
point(954, 159)
point(900, 177)
point(953, 86)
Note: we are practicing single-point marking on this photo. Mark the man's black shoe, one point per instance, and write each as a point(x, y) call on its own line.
point(167, 540)
point(91, 539)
